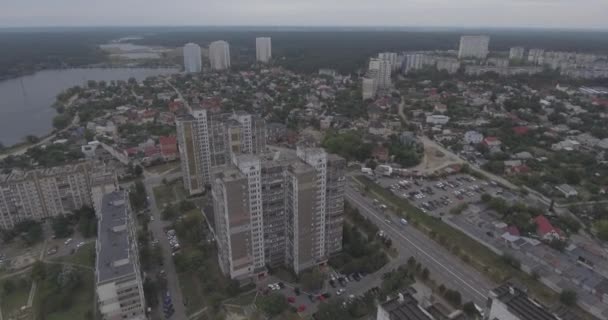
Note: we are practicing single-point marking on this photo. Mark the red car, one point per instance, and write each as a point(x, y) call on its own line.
point(301, 308)
point(291, 299)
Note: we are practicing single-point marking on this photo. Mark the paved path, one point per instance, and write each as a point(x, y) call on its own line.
point(444, 266)
point(156, 227)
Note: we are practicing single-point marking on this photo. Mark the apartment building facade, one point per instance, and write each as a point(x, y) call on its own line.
point(44, 193)
point(118, 279)
point(207, 141)
point(278, 209)
point(474, 47)
point(219, 55)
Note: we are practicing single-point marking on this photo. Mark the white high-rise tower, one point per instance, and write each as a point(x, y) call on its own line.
point(474, 47)
point(219, 55)
point(263, 49)
point(192, 57)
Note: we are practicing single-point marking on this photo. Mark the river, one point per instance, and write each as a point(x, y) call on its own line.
point(25, 102)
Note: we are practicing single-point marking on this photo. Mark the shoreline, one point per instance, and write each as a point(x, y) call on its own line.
point(92, 66)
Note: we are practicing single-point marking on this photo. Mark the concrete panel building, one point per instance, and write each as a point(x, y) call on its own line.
point(44, 193)
point(192, 58)
point(263, 49)
point(208, 141)
point(474, 47)
point(219, 55)
point(510, 303)
point(516, 53)
point(278, 209)
point(118, 278)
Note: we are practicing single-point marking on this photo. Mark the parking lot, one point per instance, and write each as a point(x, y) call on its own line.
point(438, 196)
point(336, 285)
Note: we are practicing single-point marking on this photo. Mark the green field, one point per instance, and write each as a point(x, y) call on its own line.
point(171, 192)
point(78, 303)
point(84, 256)
point(12, 302)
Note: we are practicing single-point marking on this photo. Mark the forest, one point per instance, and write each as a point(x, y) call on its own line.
point(300, 49)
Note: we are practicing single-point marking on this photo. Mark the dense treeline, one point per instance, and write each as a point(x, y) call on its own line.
point(303, 50)
point(308, 50)
point(26, 52)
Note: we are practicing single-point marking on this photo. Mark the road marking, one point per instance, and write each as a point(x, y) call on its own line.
point(363, 205)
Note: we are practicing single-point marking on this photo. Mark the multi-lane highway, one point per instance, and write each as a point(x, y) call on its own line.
point(445, 267)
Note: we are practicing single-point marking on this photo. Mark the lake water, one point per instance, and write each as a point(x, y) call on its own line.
point(25, 102)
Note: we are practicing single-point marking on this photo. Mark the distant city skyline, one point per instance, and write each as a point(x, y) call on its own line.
point(583, 14)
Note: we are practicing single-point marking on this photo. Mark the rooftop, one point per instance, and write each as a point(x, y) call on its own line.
point(405, 307)
point(520, 305)
point(113, 255)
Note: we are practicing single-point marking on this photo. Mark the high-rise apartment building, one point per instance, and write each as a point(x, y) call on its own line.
point(392, 57)
point(380, 70)
point(516, 53)
point(118, 279)
point(219, 55)
point(414, 61)
point(192, 58)
point(474, 47)
point(278, 209)
point(263, 49)
point(207, 141)
point(43, 193)
point(536, 56)
point(369, 88)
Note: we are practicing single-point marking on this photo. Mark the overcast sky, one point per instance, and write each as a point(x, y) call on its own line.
point(458, 13)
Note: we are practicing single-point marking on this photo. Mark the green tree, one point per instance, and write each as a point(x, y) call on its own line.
point(332, 311)
point(61, 227)
point(311, 280)
point(425, 274)
point(272, 304)
point(568, 297)
point(470, 309)
point(601, 227)
point(38, 271)
point(61, 121)
point(8, 287)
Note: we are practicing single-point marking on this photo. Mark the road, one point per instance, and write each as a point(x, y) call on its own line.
point(179, 94)
point(445, 268)
point(157, 229)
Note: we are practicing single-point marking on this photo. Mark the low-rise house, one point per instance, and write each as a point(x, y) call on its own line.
point(168, 148)
point(380, 153)
point(473, 137)
point(492, 142)
point(567, 190)
point(546, 230)
point(437, 119)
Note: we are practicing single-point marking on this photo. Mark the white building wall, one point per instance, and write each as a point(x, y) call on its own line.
point(219, 55)
point(192, 58)
point(474, 47)
point(263, 49)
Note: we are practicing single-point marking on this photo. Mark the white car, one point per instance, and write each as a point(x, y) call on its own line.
point(67, 241)
point(339, 292)
point(80, 244)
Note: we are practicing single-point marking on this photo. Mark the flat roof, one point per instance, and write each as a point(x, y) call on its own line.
point(113, 255)
point(405, 307)
point(519, 304)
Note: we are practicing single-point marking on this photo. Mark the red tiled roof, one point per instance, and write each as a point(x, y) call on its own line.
point(512, 230)
point(521, 130)
point(543, 226)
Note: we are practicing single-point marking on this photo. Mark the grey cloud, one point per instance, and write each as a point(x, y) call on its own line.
point(464, 13)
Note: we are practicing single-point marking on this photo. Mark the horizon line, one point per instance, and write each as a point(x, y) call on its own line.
point(360, 27)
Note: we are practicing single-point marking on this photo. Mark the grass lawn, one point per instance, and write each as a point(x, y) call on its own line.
point(484, 260)
point(81, 298)
point(243, 299)
point(83, 256)
point(12, 302)
point(163, 167)
point(191, 290)
point(170, 193)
